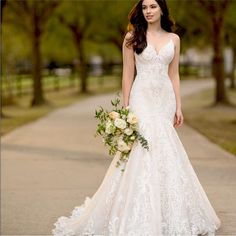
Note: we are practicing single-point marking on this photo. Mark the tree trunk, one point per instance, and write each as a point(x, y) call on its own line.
point(3, 4)
point(38, 98)
point(218, 62)
point(82, 68)
point(232, 75)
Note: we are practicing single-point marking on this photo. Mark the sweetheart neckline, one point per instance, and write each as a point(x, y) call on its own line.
point(157, 53)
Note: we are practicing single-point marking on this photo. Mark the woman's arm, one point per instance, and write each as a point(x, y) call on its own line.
point(174, 76)
point(128, 70)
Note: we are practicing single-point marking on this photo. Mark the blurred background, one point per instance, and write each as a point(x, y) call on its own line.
point(56, 52)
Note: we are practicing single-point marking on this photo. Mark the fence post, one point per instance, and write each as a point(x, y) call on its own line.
point(19, 85)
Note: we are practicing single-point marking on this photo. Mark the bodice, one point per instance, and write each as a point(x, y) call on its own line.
point(152, 62)
point(152, 89)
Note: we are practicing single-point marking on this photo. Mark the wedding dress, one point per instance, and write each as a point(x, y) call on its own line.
point(159, 193)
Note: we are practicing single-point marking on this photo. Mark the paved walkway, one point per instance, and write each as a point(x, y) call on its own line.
point(50, 165)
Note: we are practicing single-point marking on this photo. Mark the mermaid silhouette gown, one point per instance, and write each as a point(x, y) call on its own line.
point(159, 193)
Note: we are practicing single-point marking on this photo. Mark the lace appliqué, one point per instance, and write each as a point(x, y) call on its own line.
point(159, 193)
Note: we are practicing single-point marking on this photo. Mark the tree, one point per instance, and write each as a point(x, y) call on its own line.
point(114, 24)
point(79, 22)
point(206, 26)
point(230, 31)
point(34, 16)
point(216, 10)
point(3, 4)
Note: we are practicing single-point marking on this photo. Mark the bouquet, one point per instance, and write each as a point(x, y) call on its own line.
point(119, 130)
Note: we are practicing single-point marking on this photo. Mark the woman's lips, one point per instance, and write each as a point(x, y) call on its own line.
point(149, 17)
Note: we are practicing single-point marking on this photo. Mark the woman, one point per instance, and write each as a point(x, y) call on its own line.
point(159, 192)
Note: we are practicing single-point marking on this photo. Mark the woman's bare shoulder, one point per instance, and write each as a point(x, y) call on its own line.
point(175, 37)
point(129, 35)
point(127, 39)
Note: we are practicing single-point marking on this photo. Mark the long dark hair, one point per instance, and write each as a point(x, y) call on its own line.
point(138, 25)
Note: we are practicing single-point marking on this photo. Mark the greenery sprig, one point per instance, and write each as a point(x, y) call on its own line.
point(119, 130)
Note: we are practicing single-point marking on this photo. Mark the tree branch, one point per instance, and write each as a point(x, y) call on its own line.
point(18, 8)
point(47, 9)
point(224, 4)
point(209, 6)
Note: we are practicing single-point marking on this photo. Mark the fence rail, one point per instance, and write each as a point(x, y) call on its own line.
point(19, 85)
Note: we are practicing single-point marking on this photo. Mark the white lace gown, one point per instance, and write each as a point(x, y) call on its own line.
point(159, 193)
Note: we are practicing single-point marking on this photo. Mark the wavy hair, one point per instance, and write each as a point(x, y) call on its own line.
point(138, 25)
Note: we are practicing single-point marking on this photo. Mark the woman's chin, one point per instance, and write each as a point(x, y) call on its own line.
point(151, 21)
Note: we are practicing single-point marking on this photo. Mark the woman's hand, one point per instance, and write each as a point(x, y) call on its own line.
point(179, 118)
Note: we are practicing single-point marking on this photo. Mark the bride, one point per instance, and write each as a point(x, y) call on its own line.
point(159, 193)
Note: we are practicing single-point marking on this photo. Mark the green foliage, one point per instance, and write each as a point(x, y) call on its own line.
point(143, 141)
point(101, 30)
point(195, 19)
point(230, 26)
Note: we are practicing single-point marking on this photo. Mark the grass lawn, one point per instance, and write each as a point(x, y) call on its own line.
point(218, 123)
point(21, 113)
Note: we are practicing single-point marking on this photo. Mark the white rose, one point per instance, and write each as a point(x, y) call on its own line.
point(113, 115)
point(132, 119)
point(122, 146)
point(119, 123)
point(128, 131)
point(110, 128)
point(132, 137)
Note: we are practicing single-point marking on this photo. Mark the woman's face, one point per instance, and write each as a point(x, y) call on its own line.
point(151, 10)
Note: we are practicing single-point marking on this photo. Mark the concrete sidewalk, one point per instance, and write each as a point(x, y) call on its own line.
point(49, 166)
